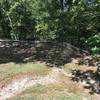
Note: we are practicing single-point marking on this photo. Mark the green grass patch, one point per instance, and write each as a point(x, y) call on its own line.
point(70, 66)
point(10, 70)
point(50, 92)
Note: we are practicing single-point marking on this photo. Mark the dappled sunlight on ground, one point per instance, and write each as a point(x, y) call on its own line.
point(54, 54)
point(56, 62)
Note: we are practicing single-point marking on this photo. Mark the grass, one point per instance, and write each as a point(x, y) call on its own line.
point(10, 71)
point(68, 67)
point(65, 89)
point(51, 92)
point(62, 97)
point(72, 66)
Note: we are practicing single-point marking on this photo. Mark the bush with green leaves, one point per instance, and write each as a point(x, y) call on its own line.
point(73, 21)
point(94, 43)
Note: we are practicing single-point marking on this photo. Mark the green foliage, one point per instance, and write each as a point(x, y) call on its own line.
point(16, 19)
point(95, 50)
point(94, 43)
point(74, 21)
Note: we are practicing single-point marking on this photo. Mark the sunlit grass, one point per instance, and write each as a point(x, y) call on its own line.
point(51, 92)
point(10, 70)
point(63, 90)
point(70, 66)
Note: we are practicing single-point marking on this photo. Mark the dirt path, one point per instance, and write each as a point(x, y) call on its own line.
point(19, 85)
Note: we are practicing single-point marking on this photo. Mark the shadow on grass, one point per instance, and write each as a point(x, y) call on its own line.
point(91, 79)
point(54, 54)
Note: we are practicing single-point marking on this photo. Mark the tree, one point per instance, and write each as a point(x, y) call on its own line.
point(73, 21)
point(16, 19)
